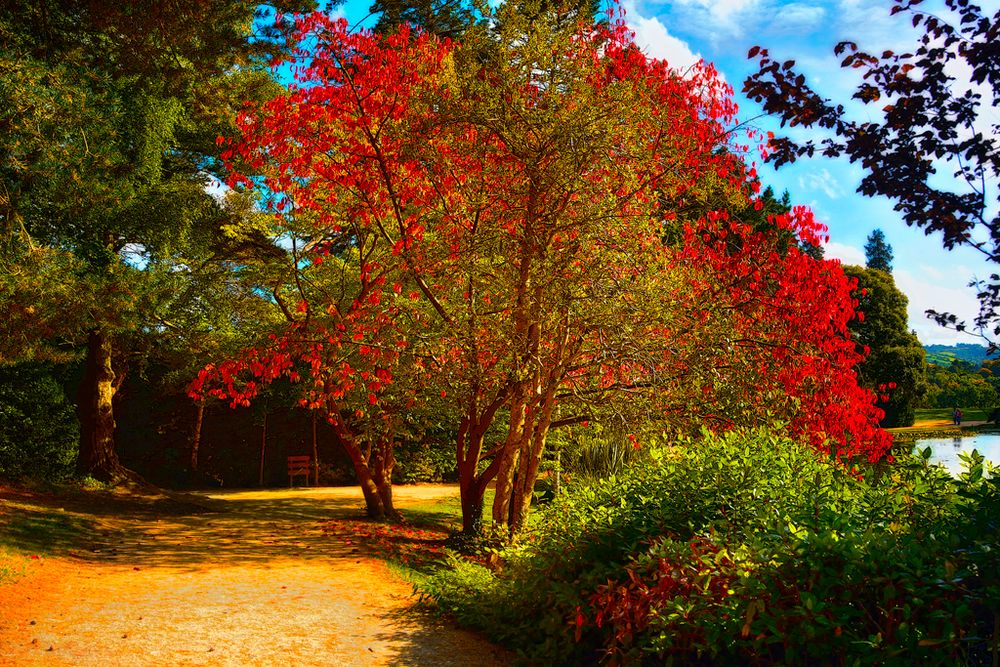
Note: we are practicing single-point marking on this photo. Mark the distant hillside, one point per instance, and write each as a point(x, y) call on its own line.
point(942, 355)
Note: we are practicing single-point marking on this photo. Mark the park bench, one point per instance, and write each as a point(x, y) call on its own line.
point(298, 466)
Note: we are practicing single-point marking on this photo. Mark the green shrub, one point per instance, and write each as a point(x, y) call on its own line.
point(418, 462)
point(748, 549)
point(39, 431)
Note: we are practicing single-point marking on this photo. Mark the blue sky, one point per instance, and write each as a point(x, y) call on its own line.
point(722, 31)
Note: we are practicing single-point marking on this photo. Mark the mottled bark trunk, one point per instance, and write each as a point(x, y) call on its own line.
point(97, 456)
point(531, 458)
point(509, 458)
point(383, 462)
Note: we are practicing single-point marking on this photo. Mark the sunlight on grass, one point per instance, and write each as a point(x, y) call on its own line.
point(13, 565)
point(442, 513)
point(32, 529)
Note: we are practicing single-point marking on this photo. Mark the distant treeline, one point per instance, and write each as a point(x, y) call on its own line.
point(943, 355)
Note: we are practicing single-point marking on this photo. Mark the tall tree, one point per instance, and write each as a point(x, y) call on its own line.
point(933, 117)
point(445, 18)
point(878, 253)
point(490, 212)
point(894, 359)
point(110, 111)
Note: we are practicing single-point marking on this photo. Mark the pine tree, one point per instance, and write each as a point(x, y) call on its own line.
point(878, 253)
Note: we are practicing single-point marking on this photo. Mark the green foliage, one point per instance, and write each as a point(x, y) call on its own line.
point(748, 549)
point(424, 461)
point(445, 18)
point(943, 355)
point(12, 566)
point(894, 368)
point(596, 452)
point(960, 386)
point(878, 253)
point(38, 428)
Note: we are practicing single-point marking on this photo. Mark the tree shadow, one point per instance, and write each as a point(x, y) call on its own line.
point(200, 530)
point(191, 531)
point(39, 530)
point(415, 635)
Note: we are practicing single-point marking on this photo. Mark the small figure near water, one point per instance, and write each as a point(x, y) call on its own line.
point(957, 417)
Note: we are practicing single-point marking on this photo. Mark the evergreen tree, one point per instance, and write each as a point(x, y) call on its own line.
point(110, 113)
point(445, 18)
point(878, 253)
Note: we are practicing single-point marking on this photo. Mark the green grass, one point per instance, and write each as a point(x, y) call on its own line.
point(29, 531)
point(968, 414)
point(444, 514)
point(34, 530)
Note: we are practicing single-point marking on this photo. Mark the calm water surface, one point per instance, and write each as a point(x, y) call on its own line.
point(946, 450)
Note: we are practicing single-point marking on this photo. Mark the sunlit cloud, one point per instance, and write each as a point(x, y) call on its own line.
point(656, 41)
point(847, 254)
point(931, 289)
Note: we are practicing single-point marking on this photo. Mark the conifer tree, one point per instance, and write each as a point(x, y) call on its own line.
point(878, 253)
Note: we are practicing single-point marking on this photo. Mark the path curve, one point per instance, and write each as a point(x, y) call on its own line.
point(254, 582)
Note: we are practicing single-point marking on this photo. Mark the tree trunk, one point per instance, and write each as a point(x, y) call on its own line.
point(471, 482)
point(196, 438)
point(384, 460)
point(509, 457)
point(472, 509)
point(97, 456)
point(531, 458)
point(374, 505)
point(373, 500)
point(263, 448)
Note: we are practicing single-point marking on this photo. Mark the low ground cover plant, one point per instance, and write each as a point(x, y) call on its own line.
point(747, 548)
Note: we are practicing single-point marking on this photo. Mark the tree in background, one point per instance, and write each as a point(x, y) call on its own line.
point(960, 386)
point(110, 112)
point(895, 361)
point(444, 18)
point(933, 117)
point(878, 253)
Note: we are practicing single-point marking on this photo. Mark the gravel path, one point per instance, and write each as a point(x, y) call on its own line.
point(254, 582)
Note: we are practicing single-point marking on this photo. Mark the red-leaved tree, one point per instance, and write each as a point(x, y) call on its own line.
point(500, 228)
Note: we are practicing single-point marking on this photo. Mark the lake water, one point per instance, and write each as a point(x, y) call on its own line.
point(946, 450)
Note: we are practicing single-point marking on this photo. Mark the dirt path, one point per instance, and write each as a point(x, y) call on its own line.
point(254, 582)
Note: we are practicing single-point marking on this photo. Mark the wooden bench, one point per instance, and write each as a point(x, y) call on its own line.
point(299, 466)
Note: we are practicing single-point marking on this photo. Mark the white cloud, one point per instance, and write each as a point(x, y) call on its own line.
point(932, 289)
point(799, 14)
point(824, 181)
point(847, 254)
point(654, 39)
point(725, 12)
point(927, 288)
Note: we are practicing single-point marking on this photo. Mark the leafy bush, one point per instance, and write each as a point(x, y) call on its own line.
point(39, 431)
point(424, 462)
point(748, 549)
